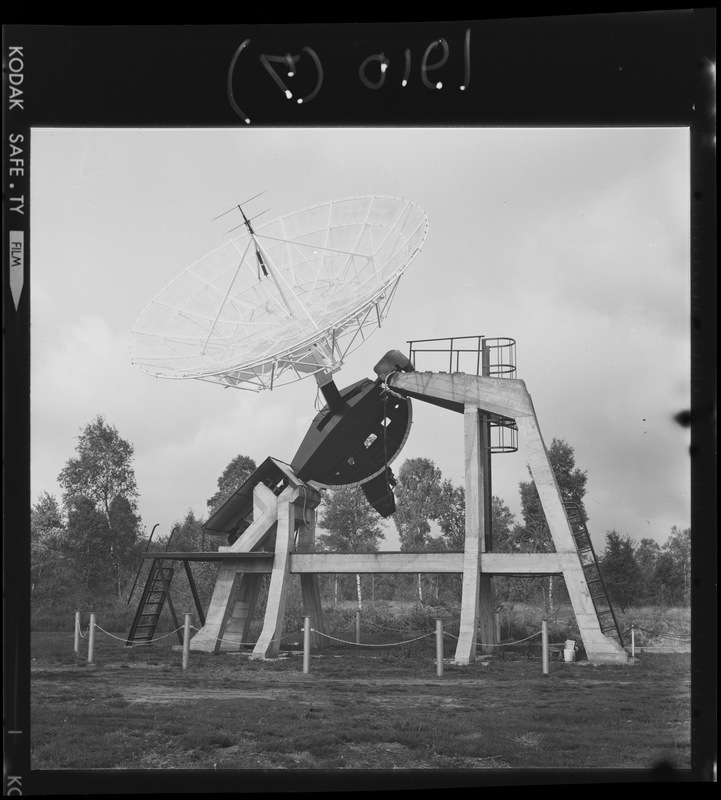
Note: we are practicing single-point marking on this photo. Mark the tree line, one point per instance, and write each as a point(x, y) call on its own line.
point(87, 547)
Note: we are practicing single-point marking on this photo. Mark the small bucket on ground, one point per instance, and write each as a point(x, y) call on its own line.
point(569, 651)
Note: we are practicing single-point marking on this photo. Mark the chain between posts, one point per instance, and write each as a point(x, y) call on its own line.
point(308, 630)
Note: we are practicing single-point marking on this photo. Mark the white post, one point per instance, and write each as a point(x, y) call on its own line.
point(358, 626)
point(91, 639)
point(186, 641)
point(544, 644)
point(633, 641)
point(77, 633)
point(439, 648)
point(306, 645)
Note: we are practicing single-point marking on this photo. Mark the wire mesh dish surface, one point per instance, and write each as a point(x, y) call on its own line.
point(285, 300)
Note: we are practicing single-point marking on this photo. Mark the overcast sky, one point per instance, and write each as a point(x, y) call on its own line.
point(574, 242)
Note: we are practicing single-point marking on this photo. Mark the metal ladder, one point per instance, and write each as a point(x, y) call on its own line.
point(156, 593)
point(594, 579)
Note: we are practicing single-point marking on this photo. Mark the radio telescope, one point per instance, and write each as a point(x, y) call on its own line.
point(291, 299)
point(285, 300)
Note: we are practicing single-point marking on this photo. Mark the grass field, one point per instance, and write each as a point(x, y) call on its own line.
point(363, 708)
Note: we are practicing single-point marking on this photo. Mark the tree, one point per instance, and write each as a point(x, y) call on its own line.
point(647, 554)
point(503, 523)
point(234, 475)
point(187, 536)
point(451, 515)
point(124, 541)
point(418, 498)
point(671, 581)
point(187, 533)
point(571, 482)
point(667, 581)
point(48, 564)
point(103, 469)
point(678, 545)
point(535, 535)
point(350, 525)
point(88, 541)
point(620, 571)
point(100, 499)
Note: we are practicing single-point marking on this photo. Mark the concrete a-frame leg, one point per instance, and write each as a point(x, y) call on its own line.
point(234, 595)
point(599, 647)
point(509, 398)
point(294, 503)
point(276, 518)
point(209, 638)
point(476, 620)
point(238, 625)
point(268, 644)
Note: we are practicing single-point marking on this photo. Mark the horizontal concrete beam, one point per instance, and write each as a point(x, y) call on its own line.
point(249, 562)
point(409, 563)
point(432, 563)
point(528, 563)
point(376, 562)
point(505, 396)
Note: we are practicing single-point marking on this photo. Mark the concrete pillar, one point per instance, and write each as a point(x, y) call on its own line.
point(264, 514)
point(209, 637)
point(487, 597)
point(486, 624)
point(309, 585)
point(238, 625)
point(476, 594)
point(226, 616)
point(268, 644)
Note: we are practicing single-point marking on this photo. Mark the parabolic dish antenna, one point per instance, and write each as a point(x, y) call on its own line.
point(283, 301)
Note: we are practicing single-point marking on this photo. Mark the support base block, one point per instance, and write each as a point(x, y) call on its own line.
point(597, 659)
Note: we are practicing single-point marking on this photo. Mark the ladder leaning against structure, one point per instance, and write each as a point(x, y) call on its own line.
point(156, 593)
point(589, 562)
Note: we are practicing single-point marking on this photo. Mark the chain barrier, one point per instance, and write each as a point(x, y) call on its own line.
point(327, 636)
point(240, 644)
point(313, 630)
point(123, 639)
point(375, 628)
point(657, 634)
point(499, 644)
point(193, 628)
point(361, 644)
point(349, 627)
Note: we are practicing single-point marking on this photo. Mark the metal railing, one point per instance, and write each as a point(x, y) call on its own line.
point(474, 355)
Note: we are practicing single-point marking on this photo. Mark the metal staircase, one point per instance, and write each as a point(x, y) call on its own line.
point(589, 562)
point(156, 593)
